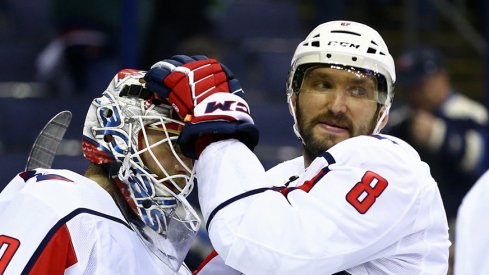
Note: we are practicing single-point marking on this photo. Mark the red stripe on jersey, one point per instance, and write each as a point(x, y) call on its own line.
point(209, 257)
point(58, 255)
point(307, 185)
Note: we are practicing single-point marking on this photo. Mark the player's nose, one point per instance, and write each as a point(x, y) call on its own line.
point(337, 101)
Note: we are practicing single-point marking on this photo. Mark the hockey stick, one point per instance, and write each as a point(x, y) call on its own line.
point(47, 142)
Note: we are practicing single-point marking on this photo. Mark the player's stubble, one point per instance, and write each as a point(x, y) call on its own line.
point(315, 145)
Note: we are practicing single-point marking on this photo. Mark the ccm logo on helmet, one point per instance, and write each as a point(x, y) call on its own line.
point(343, 44)
point(228, 105)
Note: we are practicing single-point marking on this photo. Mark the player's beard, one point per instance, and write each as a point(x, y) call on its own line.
point(313, 145)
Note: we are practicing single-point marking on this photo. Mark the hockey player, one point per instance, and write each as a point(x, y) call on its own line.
point(127, 215)
point(356, 202)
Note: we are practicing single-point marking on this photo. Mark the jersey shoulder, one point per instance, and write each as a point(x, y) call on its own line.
point(61, 191)
point(50, 204)
point(282, 172)
point(387, 155)
point(379, 147)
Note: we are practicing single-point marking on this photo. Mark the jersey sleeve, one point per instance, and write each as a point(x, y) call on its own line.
point(352, 205)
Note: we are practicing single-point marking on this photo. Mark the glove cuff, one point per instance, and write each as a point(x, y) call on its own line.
point(196, 137)
point(219, 116)
point(222, 106)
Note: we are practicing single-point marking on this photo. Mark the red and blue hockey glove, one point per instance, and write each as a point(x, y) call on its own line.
point(205, 93)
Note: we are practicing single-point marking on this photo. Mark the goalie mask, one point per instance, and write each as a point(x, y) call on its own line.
point(349, 46)
point(116, 132)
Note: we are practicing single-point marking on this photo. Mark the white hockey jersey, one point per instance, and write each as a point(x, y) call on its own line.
point(59, 222)
point(471, 238)
point(366, 206)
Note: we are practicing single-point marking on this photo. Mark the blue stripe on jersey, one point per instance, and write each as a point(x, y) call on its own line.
point(382, 137)
point(27, 175)
point(231, 200)
point(328, 157)
point(56, 227)
point(282, 189)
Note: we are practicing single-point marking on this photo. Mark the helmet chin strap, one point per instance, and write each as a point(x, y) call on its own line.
point(295, 127)
point(381, 118)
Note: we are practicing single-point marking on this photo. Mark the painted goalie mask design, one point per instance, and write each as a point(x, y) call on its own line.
point(116, 133)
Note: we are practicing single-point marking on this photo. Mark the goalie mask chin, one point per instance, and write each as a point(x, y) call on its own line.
point(116, 133)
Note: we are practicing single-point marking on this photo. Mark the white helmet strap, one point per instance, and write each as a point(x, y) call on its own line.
point(378, 126)
point(295, 126)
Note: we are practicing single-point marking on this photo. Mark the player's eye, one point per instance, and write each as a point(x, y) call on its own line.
point(321, 86)
point(358, 92)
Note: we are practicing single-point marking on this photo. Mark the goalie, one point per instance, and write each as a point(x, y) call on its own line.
point(127, 215)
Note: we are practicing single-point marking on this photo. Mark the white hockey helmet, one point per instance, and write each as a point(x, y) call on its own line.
point(115, 131)
point(345, 44)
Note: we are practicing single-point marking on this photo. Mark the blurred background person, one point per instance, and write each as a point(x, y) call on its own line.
point(83, 51)
point(446, 127)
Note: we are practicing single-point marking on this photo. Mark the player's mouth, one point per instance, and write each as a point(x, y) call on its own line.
point(334, 127)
